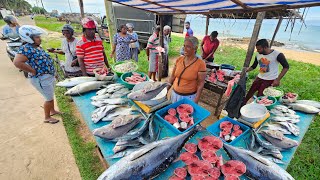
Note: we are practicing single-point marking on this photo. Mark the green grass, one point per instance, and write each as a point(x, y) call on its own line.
point(52, 24)
point(302, 78)
point(88, 163)
point(2, 22)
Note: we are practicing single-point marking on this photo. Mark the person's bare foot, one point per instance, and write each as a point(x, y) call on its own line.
point(54, 112)
point(51, 120)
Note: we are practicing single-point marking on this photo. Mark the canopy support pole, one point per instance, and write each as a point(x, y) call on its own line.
point(110, 20)
point(253, 41)
point(207, 24)
point(161, 58)
point(276, 31)
point(81, 8)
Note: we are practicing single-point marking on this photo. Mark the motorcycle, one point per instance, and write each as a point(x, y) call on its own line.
point(13, 45)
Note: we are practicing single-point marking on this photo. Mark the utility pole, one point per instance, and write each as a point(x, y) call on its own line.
point(110, 19)
point(81, 8)
point(69, 6)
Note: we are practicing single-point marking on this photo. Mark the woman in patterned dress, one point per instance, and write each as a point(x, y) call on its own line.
point(121, 43)
point(33, 59)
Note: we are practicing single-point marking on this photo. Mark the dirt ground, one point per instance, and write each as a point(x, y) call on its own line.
point(30, 149)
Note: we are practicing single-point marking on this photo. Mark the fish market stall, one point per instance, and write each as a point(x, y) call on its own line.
point(111, 95)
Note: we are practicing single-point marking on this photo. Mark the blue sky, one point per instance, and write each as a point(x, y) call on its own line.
point(97, 6)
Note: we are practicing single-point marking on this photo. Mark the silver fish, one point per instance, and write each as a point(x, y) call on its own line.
point(277, 127)
point(117, 112)
point(114, 89)
point(262, 143)
point(108, 132)
point(85, 87)
point(118, 148)
point(100, 97)
point(275, 160)
point(102, 91)
point(285, 119)
point(294, 129)
point(315, 104)
point(99, 113)
point(70, 82)
point(134, 134)
point(283, 144)
point(304, 108)
point(121, 154)
point(147, 161)
point(150, 91)
point(258, 167)
point(115, 101)
point(274, 152)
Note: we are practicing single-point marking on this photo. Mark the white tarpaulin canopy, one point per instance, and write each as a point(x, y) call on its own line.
point(214, 6)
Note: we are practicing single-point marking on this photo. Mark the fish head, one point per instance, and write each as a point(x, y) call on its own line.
point(135, 95)
point(98, 132)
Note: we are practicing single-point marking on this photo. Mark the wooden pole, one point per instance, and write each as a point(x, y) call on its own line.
point(253, 41)
point(276, 31)
point(207, 24)
point(161, 58)
point(110, 20)
point(81, 8)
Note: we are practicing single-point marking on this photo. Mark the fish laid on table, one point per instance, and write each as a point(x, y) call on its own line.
point(315, 104)
point(86, 87)
point(118, 127)
point(149, 91)
point(285, 119)
point(101, 112)
point(147, 161)
point(135, 133)
point(278, 140)
point(70, 82)
point(304, 108)
point(294, 129)
point(122, 153)
point(115, 101)
point(273, 152)
point(258, 167)
point(100, 97)
point(117, 112)
point(278, 127)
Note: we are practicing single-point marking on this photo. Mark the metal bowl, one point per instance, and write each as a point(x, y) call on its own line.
point(253, 112)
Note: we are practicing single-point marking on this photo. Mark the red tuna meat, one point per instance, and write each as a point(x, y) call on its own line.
point(175, 178)
point(209, 156)
point(190, 147)
point(185, 108)
point(172, 112)
point(180, 172)
point(198, 177)
point(188, 157)
point(231, 177)
point(210, 143)
point(226, 124)
point(210, 178)
point(214, 172)
point(237, 133)
point(233, 167)
point(236, 127)
point(171, 119)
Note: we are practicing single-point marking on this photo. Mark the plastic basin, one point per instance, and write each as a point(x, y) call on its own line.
point(128, 74)
point(215, 129)
point(270, 98)
point(198, 115)
point(120, 73)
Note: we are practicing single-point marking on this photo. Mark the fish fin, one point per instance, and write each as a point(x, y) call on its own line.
point(261, 159)
point(142, 152)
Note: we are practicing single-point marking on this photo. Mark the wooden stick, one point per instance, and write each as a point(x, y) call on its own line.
point(276, 31)
point(253, 41)
point(207, 24)
point(160, 63)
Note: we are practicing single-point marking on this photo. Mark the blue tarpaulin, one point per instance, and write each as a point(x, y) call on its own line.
point(84, 106)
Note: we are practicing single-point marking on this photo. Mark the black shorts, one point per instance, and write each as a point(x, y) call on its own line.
point(210, 59)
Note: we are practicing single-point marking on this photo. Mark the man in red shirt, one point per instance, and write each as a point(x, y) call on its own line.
point(89, 49)
point(209, 46)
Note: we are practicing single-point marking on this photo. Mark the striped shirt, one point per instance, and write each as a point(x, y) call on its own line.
point(153, 42)
point(91, 52)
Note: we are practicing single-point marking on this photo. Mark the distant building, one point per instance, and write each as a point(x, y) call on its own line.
point(54, 13)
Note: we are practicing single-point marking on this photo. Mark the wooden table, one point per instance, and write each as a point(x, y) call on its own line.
point(218, 88)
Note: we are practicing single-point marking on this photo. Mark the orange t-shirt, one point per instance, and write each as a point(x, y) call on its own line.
point(189, 79)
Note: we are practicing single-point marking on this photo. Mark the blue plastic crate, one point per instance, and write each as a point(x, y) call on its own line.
point(215, 129)
point(198, 115)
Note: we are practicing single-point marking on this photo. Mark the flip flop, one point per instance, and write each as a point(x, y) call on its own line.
point(51, 121)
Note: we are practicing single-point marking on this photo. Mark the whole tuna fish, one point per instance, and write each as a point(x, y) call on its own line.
point(315, 104)
point(304, 108)
point(258, 167)
point(147, 161)
point(278, 139)
point(149, 91)
point(85, 87)
point(70, 82)
point(118, 127)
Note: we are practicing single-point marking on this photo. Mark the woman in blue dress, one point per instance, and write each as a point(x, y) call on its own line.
point(134, 47)
point(121, 43)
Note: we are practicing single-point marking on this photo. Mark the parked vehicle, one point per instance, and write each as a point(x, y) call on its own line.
point(144, 22)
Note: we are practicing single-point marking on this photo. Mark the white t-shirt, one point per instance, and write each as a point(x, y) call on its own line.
point(269, 66)
point(69, 55)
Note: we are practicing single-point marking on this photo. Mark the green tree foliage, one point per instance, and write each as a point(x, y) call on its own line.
point(16, 5)
point(39, 10)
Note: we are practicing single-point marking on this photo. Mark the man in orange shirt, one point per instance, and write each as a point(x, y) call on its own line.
point(89, 49)
point(209, 46)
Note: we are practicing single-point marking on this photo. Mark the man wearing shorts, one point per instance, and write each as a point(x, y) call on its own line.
point(268, 60)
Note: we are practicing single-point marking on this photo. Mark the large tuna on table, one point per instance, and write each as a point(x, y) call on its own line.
point(86, 87)
point(148, 161)
point(258, 167)
point(70, 82)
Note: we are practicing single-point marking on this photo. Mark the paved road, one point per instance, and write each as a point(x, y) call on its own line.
point(30, 149)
